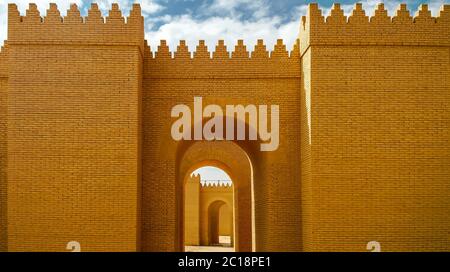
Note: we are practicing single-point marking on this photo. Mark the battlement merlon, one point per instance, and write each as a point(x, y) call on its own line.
point(222, 63)
point(4, 61)
point(240, 51)
point(380, 29)
point(74, 29)
point(216, 187)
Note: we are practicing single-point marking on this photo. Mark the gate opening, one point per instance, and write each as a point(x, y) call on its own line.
point(209, 222)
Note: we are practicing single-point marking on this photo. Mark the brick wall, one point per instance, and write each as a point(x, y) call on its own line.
point(199, 209)
point(216, 202)
point(73, 124)
point(3, 143)
point(237, 77)
point(379, 161)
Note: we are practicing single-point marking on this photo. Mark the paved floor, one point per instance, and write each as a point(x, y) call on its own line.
point(208, 249)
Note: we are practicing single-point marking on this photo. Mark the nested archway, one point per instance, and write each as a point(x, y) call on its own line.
point(208, 210)
point(275, 185)
point(232, 159)
point(218, 217)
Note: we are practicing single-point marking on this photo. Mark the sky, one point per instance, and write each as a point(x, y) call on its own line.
point(209, 174)
point(212, 20)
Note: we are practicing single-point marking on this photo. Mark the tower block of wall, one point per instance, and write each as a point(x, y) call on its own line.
point(376, 126)
point(3, 143)
point(74, 87)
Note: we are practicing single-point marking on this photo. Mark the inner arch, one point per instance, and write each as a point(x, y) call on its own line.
point(234, 161)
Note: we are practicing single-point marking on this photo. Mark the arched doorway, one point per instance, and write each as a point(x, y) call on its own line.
point(209, 221)
point(233, 160)
point(219, 216)
point(266, 187)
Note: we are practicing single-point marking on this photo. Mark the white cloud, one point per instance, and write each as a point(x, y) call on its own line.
point(105, 5)
point(43, 5)
point(3, 21)
point(232, 27)
point(147, 6)
point(216, 28)
point(237, 8)
point(435, 6)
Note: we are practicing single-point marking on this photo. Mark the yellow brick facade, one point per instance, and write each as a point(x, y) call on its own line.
point(86, 153)
point(208, 212)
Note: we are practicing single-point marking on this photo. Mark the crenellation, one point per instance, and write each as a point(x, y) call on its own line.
point(221, 52)
point(295, 53)
point(423, 15)
point(358, 16)
point(314, 14)
point(402, 15)
point(201, 52)
point(53, 15)
point(199, 64)
point(148, 53)
point(163, 51)
point(135, 15)
point(279, 50)
point(213, 185)
point(115, 15)
point(240, 51)
point(444, 14)
point(33, 15)
point(94, 15)
point(357, 29)
point(73, 15)
point(194, 178)
point(13, 14)
point(336, 16)
point(4, 60)
point(260, 51)
point(381, 16)
point(182, 52)
point(379, 29)
point(75, 29)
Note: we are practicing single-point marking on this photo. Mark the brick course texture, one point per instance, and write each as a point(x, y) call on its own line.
point(86, 153)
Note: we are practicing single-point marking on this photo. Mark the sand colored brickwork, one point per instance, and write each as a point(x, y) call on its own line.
point(208, 212)
point(86, 152)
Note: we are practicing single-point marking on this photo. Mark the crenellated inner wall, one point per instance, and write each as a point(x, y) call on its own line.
point(378, 163)
point(203, 204)
point(216, 201)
